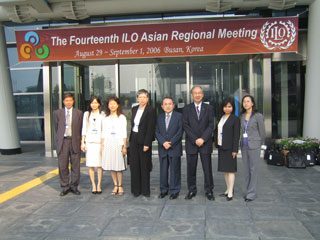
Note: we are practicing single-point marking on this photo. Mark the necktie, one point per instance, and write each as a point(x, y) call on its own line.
point(198, 112)
point(167, 121)
point(68, 124)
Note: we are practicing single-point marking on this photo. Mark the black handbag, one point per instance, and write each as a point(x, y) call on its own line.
point(276, 157)
point(296, 158)
point(311, 154)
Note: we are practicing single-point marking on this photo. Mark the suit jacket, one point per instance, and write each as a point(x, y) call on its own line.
point(255, 130)
point(60, 126)
point(231, 134)
point(173, 134)
point(146, 126)
point(198, 128)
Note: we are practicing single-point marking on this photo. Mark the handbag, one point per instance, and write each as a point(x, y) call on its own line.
point(296, 158)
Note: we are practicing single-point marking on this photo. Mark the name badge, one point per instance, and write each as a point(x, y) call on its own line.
point(94, 131)
point(245, 135)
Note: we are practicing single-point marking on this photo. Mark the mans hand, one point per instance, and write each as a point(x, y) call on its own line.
point(199, 142)
point(145, 148)
point(234, 154)
point(166, 145)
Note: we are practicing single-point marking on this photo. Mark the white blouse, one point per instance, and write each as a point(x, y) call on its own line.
point(220, 129)
point(92, 126)
point(114, 128)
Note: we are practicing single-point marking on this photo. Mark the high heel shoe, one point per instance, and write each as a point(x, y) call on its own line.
point(94, 191)
point(120, 192)
point(115, 190)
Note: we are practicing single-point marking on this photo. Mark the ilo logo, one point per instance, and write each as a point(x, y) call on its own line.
point(32, 40)
point(278, 34)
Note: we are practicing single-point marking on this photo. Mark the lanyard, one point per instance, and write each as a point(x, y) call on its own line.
point(246, 123)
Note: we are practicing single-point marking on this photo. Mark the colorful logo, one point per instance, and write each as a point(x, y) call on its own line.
point(32, 40)
point(278, 34)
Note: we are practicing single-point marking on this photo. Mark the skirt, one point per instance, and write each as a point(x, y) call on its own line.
point(112, 158)
point(93, 156)
point(226, 163)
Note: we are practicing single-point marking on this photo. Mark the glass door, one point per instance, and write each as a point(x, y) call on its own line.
point(218, 81)
point(160, 79)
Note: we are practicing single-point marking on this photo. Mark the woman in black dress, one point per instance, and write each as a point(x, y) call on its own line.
point(227, 140)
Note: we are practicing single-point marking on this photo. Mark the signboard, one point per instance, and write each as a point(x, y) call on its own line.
point(245, 36)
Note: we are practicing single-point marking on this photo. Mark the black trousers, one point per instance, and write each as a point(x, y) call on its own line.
point(140, 166)
point(192, 162)
point(63, 160)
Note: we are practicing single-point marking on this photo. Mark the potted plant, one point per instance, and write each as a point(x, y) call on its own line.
point(304, 147)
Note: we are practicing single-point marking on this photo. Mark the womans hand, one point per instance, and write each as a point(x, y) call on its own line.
point(124, 151)
point(83, 147)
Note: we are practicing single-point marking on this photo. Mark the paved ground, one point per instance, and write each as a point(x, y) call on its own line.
point(288, 206)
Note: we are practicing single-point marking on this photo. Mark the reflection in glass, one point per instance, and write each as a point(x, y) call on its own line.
point(26, 80)
point(54, 87)
point(99, 81)
point(69, 76)
point(218, 81)
point(287, 100)
point(31, 129)
point(29, 105)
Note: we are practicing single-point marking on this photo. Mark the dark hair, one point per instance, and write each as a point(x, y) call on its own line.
point(117, 100)
point(195, 87)
point(143, 91)
point(225, 103)
point(254, 108)
point(68, 95)
point(167, 98)
point(91, 100)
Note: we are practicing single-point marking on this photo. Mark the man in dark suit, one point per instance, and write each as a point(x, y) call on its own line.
point(198, 126)
point(68, 124)
point(169, 135)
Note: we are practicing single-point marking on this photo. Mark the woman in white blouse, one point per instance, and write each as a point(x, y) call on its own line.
point(91, 142)
point(114, 142)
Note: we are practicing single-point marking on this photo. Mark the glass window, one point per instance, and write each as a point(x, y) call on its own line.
point(31, 129)
point(29, 105)
point(54, 87)
point(24, 81)
point(99, 81)
point(287, 99)
point(69, 76)
point(14, 61)
point(218, 81)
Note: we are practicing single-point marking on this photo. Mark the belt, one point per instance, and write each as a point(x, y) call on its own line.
point(69, 137)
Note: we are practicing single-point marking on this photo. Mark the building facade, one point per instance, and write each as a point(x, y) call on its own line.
point(284, 84)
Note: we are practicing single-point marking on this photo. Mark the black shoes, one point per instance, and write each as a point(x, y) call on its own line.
point(229, 198)
point(223, 195)
point(248, 200)
point(210, 196)
point(75, 191)
point(64, 192)
point(190, 195)
point(162, 195)
point(174, 196)
point(98, 192)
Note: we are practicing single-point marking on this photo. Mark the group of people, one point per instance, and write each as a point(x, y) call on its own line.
point(103, 136)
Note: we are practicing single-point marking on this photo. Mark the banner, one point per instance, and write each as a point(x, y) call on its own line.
point(245, 36)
